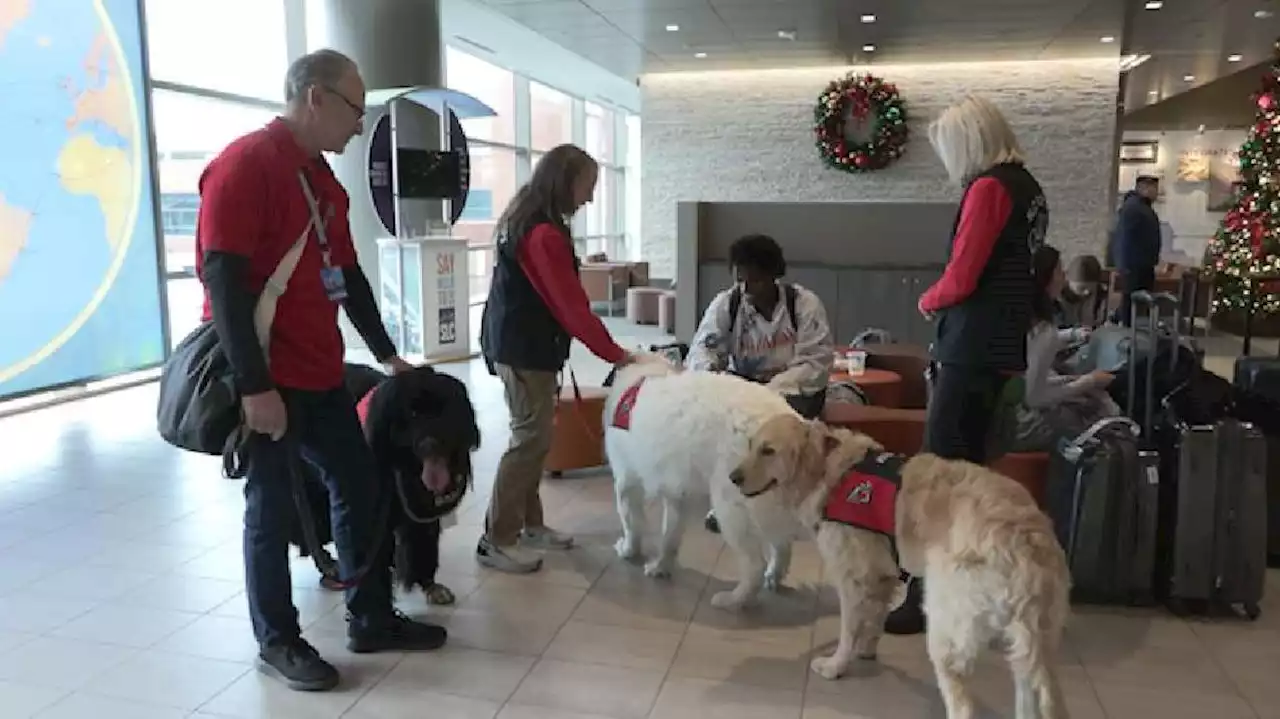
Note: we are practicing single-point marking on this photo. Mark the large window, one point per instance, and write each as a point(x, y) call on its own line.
point(493, 86)
point(550, 117)
point(599, 132)
point(232, 46)
point(532, 119)
point(493, 182)
point(190, 131)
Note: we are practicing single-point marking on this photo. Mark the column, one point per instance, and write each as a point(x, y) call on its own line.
point(396, 43)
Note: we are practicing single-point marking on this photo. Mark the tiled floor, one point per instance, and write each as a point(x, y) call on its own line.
point(121, 597)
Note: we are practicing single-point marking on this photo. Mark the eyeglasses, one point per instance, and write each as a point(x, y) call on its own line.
point(357, 109)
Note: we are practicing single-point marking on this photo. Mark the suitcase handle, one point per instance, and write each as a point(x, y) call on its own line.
point(1154, 301)
point(1073, 449)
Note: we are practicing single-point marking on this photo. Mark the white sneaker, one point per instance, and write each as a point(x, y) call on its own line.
point(545, 538)
point(513, 559)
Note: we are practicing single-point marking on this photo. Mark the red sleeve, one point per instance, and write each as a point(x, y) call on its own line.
point(231, 212)
point(986, 210)
point(547, 260)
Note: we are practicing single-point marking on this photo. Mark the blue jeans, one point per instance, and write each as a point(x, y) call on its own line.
point(324, 432)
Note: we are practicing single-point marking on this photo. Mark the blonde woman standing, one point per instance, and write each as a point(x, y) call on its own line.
point(982, 303)
point(536, 307)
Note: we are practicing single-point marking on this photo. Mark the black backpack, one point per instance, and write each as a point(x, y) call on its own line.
point(790, 293)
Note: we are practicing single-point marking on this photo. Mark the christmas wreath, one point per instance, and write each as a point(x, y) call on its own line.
point(862, 99)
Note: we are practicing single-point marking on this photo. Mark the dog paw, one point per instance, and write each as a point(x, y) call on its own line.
point(627, 550)
point(773, 583)
point(658, 569)
point(729, 601)
point(828, 667)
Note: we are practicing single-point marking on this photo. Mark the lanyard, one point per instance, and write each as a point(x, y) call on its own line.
point(316, 220)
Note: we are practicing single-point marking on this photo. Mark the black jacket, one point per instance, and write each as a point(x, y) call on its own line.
point(1137, 235)
point(517, 328)
point(989, 328)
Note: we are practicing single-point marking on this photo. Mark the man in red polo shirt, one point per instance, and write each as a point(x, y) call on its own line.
point(258, 197)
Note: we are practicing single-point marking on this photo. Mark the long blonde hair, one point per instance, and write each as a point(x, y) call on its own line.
point(971, 137)
point(548, 195)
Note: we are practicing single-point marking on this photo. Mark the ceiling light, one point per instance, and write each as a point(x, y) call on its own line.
point(1189, 78)
point(1235, 58)
point(1153, 93)
point(673, 28)
point(868, 19)
point(787, 34)
point(868, 48)
point(1107, 39)
point(699, 55)
point(1262, 14)
point(1155, 4)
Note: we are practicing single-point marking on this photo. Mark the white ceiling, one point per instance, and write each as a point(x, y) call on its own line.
point(630, 37)
point(1195, 38)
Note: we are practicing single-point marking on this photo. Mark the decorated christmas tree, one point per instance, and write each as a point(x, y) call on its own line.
point(1247, 244)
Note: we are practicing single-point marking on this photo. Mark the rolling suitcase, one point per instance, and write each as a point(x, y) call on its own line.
point(1212, 525)
point(1219, 542)
point(1103, 495)
point(1257, 380)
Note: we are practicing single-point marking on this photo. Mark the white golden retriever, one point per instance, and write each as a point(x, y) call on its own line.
point(993, 571)
point(673, 434)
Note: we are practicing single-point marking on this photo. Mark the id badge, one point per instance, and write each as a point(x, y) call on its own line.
point(335, 286)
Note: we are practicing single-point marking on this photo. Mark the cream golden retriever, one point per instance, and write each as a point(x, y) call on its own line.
point(994, 572)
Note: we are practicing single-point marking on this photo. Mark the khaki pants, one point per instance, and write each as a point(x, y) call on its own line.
point(515, 504)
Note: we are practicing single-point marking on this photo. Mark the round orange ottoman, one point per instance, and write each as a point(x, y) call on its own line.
point(899, 430)
point(1030, 469)
point(882, 387)
point(577, 442)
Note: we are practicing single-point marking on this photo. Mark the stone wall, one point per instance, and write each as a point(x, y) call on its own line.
point(746, 136)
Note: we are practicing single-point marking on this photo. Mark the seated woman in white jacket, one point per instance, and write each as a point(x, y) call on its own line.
point(767, 331)
point(1053, 404)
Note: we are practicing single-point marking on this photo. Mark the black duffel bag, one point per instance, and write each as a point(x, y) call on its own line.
point(199, 408)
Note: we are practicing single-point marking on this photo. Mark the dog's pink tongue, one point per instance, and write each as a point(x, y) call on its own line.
point(435, 474)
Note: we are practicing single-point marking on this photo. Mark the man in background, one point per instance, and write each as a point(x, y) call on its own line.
point(1136, 249)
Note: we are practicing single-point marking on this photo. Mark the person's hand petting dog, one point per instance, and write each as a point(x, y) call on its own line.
point(397, 364)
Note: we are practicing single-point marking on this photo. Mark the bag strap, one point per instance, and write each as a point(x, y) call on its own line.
point(792, 296)
point(265, 312)
point(735, 303)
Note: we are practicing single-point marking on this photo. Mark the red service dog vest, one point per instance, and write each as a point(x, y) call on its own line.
point(867, 496)
point(626, 404)
point(362, 407)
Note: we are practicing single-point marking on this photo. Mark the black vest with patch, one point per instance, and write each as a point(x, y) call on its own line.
point(517, 328)
point(989, 328)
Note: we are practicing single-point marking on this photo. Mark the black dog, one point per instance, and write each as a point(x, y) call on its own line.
point(422, 429)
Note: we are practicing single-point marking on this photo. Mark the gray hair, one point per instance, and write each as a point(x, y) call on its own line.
point(971, 137)
point(323, 68)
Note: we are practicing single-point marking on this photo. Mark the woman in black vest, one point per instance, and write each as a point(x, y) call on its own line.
point(982, 303)
point(536, 307)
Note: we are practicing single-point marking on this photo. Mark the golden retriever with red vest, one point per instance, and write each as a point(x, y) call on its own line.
point(994, 572)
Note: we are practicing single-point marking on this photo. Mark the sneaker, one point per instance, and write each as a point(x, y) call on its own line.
point(298, 665)
point(396, 633)
point(513, 559)
point(545, 538)
point(909, 617)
